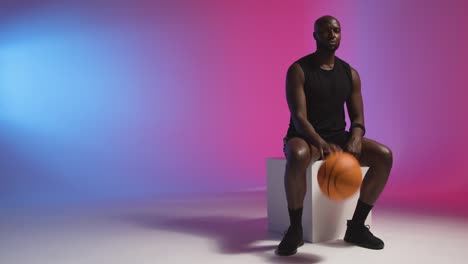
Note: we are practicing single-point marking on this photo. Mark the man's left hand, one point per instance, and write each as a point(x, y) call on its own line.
point(354, 146)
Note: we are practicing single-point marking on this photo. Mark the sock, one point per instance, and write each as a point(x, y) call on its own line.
point(295, 217)
point(361, 212)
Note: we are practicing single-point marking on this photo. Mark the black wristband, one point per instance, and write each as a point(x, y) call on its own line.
point(360, 126)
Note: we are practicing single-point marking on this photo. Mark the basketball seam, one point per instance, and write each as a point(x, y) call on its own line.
point(334, 183)
point(336, 186)
point(329, 177)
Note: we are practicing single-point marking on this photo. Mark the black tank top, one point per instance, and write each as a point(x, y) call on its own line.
point(326, 91)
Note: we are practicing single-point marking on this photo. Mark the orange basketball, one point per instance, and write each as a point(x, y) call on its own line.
point(339, 176)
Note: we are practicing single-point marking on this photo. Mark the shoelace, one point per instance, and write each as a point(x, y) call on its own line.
point(368, 230)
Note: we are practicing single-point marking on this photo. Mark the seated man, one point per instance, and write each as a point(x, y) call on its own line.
point(317, 87)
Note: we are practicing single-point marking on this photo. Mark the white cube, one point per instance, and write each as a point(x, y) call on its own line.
point(322, 219)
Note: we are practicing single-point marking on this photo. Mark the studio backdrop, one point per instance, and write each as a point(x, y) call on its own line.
point(103, 100)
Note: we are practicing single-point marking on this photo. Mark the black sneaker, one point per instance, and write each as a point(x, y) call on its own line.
point(291, 241)
point(360, 235)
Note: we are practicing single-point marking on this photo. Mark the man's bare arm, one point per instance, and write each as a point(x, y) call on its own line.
point(297, 104)
point(355, 105)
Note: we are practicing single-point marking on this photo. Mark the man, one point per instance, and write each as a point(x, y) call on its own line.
point(317, 87)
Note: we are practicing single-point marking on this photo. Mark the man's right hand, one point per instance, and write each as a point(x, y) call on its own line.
point(325, 148)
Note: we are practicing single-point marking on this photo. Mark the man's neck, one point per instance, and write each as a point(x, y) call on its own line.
point(325, 57)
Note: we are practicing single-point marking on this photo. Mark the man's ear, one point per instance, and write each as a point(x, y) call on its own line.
point(315, 37)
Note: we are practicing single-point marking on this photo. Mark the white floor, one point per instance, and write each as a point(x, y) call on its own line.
point(228, 228)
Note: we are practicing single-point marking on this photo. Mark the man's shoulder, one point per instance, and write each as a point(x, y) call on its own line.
point(310, 58)
point(342, 61)
point(304, 62)
point(307, 58)
point(346, 64)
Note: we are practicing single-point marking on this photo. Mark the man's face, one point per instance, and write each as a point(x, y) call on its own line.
point(328, 34)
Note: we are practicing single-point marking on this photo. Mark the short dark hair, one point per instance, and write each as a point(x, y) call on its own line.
point(321, 20)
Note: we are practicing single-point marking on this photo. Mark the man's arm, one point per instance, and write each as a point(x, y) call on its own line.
point(355, 105)
point(297, 104)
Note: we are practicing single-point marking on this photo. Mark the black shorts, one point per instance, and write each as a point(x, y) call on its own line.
point(339, 139)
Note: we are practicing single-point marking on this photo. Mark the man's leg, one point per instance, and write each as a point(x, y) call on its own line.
point(299, 154)
point(379, 159)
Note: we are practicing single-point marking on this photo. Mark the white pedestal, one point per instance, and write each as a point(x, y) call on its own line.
point(322, 219)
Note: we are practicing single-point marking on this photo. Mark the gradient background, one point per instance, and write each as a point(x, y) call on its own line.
point(112, 100)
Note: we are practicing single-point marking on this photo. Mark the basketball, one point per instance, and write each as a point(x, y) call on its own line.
point(339, 176)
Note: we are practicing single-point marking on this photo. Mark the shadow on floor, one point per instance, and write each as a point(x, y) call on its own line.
point(233, 235)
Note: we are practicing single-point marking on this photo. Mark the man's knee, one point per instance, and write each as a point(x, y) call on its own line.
point(300, 154)
point(386, 154)
point(298, 151)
